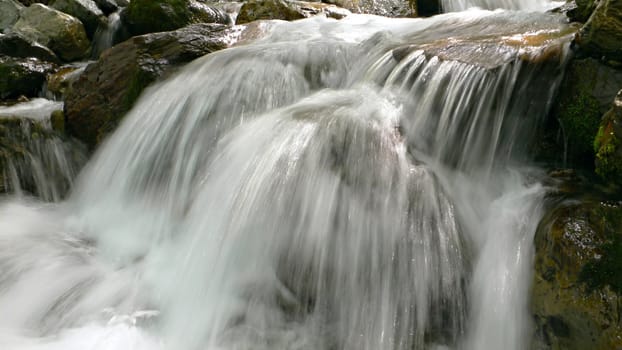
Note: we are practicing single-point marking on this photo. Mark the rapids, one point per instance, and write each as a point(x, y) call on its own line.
point(358, 184)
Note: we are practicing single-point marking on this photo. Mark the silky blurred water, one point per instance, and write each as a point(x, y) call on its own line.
point(353, 184)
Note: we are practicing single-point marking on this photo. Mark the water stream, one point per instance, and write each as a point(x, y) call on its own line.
point(357, 184)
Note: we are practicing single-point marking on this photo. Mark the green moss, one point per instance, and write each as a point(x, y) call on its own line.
point(606, 147)
point(604, 268)
point(580, 118)
point(137, 84)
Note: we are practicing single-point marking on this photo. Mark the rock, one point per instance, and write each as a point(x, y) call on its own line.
point(30, 2)
point(286, 10)
point(607, 144)
point(57, 119)
point(85, 10)
point(16, 45)
point(107, 6)
point(62, 33)
point(426, 8)
point(20, 76)
point(577, 282)
point(387, 8)
point(109, 87)
point(582, 11)
point(59, 83)
point(149, 16)
point(584, 96)
point(602, 34)
point(9, 13)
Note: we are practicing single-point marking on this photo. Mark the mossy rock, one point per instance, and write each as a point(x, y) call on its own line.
point(22, 76)
point(583, 10)
point(577, 283)
point(584, 96)
point(601, 36)
point(607, 144)
point(150, 16)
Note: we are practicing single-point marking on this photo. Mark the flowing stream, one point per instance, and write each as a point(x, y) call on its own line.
point(358, 184)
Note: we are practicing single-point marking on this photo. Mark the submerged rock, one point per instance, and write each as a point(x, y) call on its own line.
point(61, 32)
point(109, 87)
point(19, 76)
point(16, 45)
point(286, 10)
point(577, 285)
point(607, 143)
point(149, 16)
point(85, 10)
point(602, 34)
point(9, 13)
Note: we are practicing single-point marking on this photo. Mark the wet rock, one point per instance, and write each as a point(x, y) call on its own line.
point(602, 34)
point(62, 33)
point(577, 285)
point(16, 45)
point(286, 10)
point(59, 83)
point(149, 16)
point(9, 13)
point(387, 8)
point(107, 6)
point(85, 10)
point(109, 87)
point(607, 144)
point(19, 76)
point(585, 95)
point(582, 11)
point(426, 8)
point(30, 2)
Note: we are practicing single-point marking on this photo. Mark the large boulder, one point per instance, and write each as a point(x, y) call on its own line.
point(607, 144)
point(602, 34)
point(577, 283)
point(109, 87)
point(16, 45)
point(86, 11)
point(254, 10)
point(149, 16)
point(61, 32)
point(19, 76)
point(9, 13)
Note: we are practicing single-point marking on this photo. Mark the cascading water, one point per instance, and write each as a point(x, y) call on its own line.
point(353, 184)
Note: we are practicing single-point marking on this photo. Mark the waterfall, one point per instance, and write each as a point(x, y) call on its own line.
point(34, 159)
point(105, 37)
point(353, 184)
point(530, 5)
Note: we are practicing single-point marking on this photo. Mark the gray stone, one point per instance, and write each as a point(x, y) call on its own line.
point(84, 10)
point(16, 45)
point(9, 13)
point(61, 32)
